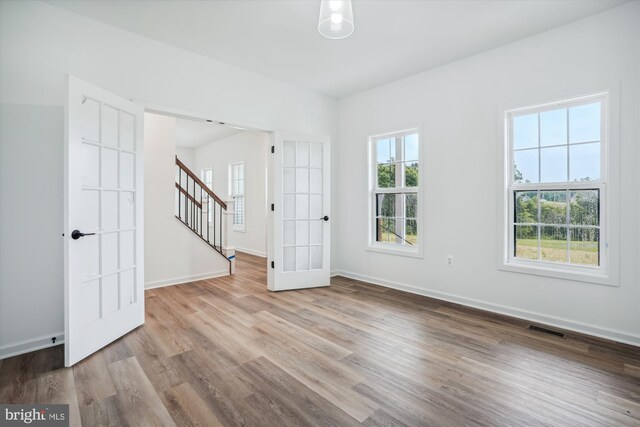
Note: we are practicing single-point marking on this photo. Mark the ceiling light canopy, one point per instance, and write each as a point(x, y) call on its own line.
point(336, 19)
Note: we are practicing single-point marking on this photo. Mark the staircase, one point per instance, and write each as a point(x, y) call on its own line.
point(203, 212)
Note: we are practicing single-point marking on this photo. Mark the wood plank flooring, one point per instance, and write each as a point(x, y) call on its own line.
point(226, 352)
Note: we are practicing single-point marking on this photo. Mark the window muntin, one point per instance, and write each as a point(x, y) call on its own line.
point(556, 183)
point(237, 194)
point(395, 190)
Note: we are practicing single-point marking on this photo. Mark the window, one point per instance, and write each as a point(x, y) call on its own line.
point(206, 175)
point(236, 172)
point(394, 195)
point(556, 185)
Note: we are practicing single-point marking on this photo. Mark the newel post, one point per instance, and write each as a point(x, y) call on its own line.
point(227, 250)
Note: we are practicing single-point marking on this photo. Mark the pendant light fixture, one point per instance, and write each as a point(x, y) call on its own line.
point(336, 19)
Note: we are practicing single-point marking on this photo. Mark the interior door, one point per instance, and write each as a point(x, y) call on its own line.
point(300, 251)
point(104, 265)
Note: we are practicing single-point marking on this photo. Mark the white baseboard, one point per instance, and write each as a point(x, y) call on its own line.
point(571, 325)
point(27, 346)
point(251, 252)
point(185, 279)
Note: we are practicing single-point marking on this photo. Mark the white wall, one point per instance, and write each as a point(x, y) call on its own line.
point(460, 107)
point(187, 156)
point(39, 44)
point(251, 148)
point(173, 254)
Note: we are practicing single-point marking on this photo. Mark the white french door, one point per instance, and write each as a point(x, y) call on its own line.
point(300, 251)
point(104, 266)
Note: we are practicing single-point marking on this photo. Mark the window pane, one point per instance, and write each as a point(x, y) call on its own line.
point(553, 164)
point(553, 244)
point(411, 232)
point(526, 206)
point(553, 127)
point(584, 208)
point(525, 168)
point(385, 150)
point(386, 204)
point(584, 162)
point(238, 214)
point(411, 205)
point(584, 123)
point(553, 207)
point(526, 241)
point(386, 175)
point(386, 229)
point(584, 246)
point(525, 131)
point(411, 174)
point(411, 147)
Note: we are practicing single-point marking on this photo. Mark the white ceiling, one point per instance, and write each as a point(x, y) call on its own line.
point(392, 38)
point(194, 133)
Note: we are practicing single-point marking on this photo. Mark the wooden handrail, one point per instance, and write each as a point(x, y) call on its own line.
point(189, 196)
point(200, 183)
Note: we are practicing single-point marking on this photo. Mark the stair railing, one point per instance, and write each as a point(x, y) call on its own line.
point(201, 210)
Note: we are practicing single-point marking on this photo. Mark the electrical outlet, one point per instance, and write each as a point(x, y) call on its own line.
point(449, 260)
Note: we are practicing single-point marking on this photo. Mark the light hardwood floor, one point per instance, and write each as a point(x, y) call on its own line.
point(226, 352)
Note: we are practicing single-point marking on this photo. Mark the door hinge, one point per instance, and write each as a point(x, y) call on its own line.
point(273, 207)
point(273, 264)
point(273, 149)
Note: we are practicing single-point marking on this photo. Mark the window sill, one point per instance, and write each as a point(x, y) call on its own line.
point(552, 270)
point(239, 229)
point(391, 250)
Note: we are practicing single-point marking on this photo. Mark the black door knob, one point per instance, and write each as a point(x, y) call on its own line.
point(326, 218)
point(76, 234)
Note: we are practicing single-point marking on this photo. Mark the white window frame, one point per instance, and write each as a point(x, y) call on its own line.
point(208, 183)
point(384, 247)
point(594, 274)
point(234, 196)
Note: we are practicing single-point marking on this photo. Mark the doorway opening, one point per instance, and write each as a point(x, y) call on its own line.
point(206, 185)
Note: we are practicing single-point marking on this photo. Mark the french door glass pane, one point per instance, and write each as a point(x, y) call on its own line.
point(553, 244)
point(302, 154)
point(289, 153)
point(289, 233)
